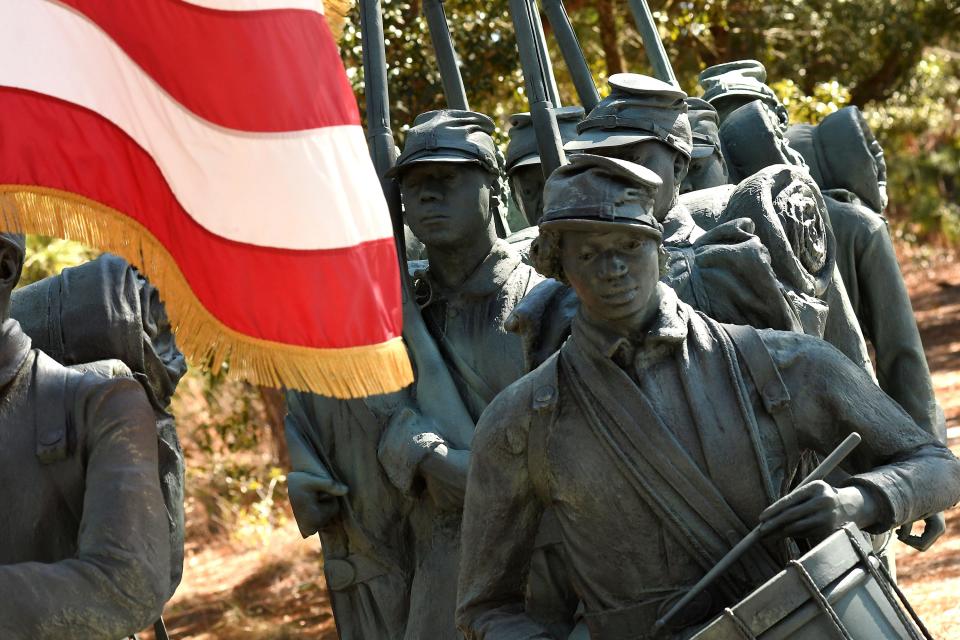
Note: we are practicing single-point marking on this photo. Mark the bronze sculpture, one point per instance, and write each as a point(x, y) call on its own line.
point(362, 467)
point(523, 160)
point(86, 549)
point(708, 167)
point(655, 421)
point(731, 85)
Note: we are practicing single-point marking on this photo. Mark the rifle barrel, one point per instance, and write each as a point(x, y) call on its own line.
point(549, 80)
point(656, 53)
point(572, 53)
point(450, 75)
point(544, 119)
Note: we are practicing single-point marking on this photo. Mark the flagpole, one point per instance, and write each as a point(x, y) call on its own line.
point(436, 392)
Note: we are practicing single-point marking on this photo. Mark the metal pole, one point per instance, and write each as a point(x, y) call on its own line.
point(446, 55)
point(549, 80)
point(383, 149)
point(656, 53)
point(439, 398)
point(572, 53)
point(545, 127)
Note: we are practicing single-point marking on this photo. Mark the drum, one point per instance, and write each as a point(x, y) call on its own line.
point(837, 590)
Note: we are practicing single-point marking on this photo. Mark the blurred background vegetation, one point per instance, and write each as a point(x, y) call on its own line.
point(898, 61)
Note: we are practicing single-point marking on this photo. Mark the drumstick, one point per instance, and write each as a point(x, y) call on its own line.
point(822, 470)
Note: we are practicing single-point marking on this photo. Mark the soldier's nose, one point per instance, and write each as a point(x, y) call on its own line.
point(612, 267)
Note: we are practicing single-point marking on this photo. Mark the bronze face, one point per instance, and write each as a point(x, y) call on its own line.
point(669, 165)
point(615, 275)
point(704, 173)
point(526, 185)
point(446, 204)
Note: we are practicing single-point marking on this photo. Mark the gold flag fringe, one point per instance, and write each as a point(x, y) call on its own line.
point(352, 372)
point(336, 13)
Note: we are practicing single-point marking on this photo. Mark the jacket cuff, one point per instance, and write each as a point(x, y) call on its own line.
point(886, 496)
point(404, 444)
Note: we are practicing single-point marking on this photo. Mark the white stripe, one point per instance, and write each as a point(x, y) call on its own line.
point(312, 189)
point(256, 5)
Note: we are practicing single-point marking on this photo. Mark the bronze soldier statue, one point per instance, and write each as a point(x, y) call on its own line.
point(847, 162)
point(724, 271)
point(523, 160)
point(731, 85)
point(708, 168)
point(660, 437)
point(85, 547)
point(377, 478)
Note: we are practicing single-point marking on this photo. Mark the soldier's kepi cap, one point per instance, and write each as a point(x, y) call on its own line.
point(744, 78)
point(596, 193)
point(639, 108)
point(522, 149)
point(449, 135)
point(705, 123)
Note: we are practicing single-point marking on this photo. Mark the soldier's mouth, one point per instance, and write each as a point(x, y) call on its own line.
point(622, 296)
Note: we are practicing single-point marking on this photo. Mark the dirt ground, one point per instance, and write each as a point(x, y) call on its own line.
point(276, 591)
point(931, 580)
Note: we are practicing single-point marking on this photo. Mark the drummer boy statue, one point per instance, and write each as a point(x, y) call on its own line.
point(660, 438)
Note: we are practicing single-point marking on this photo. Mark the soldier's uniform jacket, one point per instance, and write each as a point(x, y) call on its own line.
point(621, 437)
point(400, 581)
point(871, 275)
point(847, 162)
point(84, 539)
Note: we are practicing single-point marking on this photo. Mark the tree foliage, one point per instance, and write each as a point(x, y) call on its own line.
point(896, 60)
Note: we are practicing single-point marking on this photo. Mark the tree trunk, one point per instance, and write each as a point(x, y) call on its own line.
point(608, 37)
point(275, 406)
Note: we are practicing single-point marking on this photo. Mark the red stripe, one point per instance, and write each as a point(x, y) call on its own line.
point(272, 70)
point(329, 298)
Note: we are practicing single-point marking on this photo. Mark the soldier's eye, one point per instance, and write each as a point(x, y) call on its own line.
point(587, 256)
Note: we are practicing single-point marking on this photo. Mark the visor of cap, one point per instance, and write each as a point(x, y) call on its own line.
point(525, 161)
point(594, 224)
point(437, 155)
point(703, 151)
point(607, 138)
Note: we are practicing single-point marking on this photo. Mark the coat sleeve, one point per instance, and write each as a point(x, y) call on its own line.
point(500, 522)
point(889, 323)
point(117, 583)
point(908, 471)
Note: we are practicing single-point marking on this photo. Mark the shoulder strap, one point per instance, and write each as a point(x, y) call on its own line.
point(770, 386)
point(53, 399)
point(53, 420)
point(543, 403)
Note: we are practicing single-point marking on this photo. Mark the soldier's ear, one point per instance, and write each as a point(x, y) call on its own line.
point(11, 263)
point(681, 164)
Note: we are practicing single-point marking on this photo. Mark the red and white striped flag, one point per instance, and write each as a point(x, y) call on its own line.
point(216, 145)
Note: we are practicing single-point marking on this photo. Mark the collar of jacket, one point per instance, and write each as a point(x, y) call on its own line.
point(669, 330)
point(489, 277)
point(679, 227)
point(14, 348)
